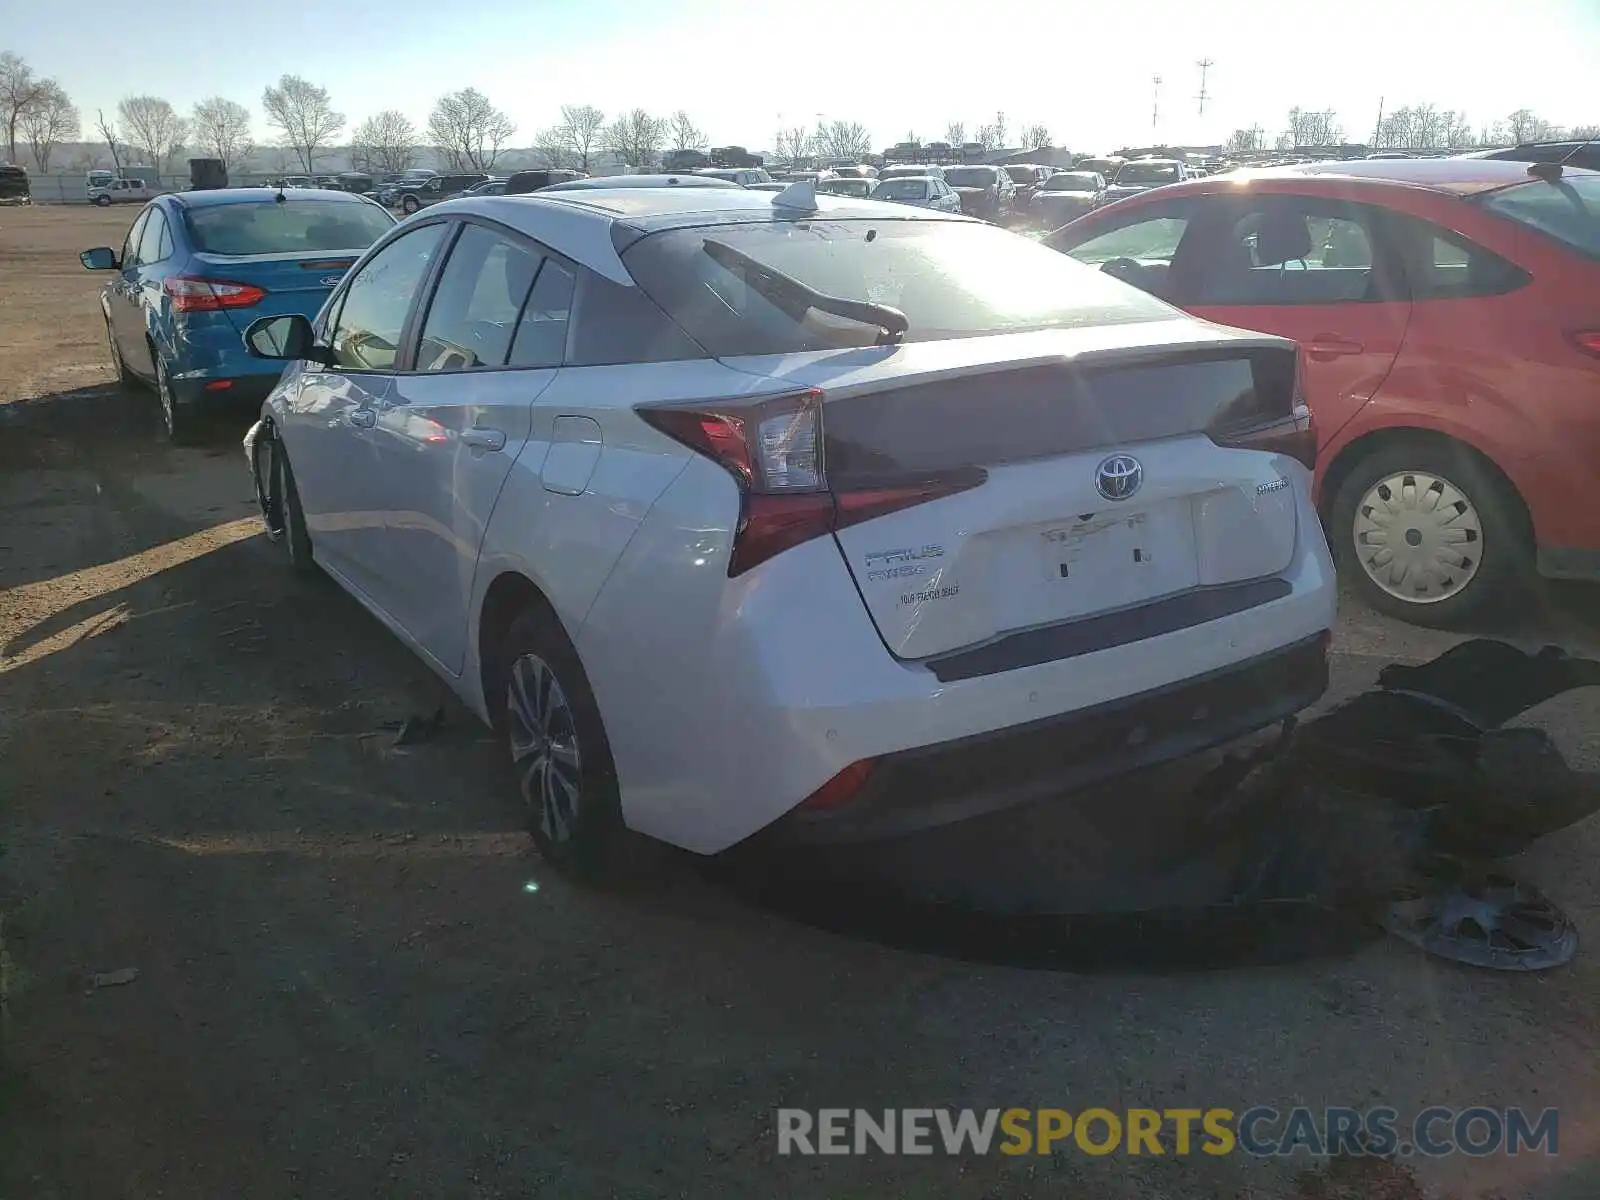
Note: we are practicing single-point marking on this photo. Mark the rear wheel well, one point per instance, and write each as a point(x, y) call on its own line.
point(1339, 470)
point(508, 597)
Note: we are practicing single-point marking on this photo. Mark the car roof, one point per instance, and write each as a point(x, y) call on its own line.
point(580, 224)
point(908, 179)
point(1453, 176)
point(606, 183)
point(261, 195)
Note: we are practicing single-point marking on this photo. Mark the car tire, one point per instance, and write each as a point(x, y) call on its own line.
point(279, 498)
point(555, 742)
point(1485, 546)
point(103, 201)
point(410, 205)
point(125, 377)
point(178, 420)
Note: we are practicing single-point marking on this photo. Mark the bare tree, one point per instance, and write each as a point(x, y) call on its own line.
point(221, 128)
point(580, 132)
point(636, 138)
point(999, 130)
point(108, 131)
point(988, 136)
point(1311, 127)
point(469, 130)
point(152, 127)
point(794, 143)
point(553, 145)
point(303, 115)
point(385, 143)
point(1244, 139)
point(50, 120)
point(843, 139)
point(684, 134)
point(1585, 133)
point(1035, 137)
point(19, 91)
point(955, 133)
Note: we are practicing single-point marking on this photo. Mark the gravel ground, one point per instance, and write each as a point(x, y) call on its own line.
point(356, 979)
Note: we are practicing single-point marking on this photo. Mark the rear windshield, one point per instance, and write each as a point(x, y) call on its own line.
point(1568, 211)
point(1020, 174)
point(951, 279)
point(901, 189)
point(969, 176)
point(293, 227)
point(1070, 183)
point(902, 172)
point(1142, 173)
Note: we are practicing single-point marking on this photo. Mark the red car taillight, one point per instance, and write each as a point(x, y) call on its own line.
point(192, 293)
point(1587, 340)
point(774, 449)
point(1294, 434)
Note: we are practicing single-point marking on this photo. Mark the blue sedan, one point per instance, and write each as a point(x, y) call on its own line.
point(198, 267)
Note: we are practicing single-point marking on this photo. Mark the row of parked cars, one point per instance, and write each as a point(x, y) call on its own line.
point(937, 517)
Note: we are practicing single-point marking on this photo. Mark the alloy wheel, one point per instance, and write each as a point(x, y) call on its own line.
point(544, 746)
point(1418, 537)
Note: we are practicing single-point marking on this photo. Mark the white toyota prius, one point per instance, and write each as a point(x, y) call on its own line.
point(734, 510)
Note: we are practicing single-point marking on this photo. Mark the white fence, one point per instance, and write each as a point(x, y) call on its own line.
point(74, 189)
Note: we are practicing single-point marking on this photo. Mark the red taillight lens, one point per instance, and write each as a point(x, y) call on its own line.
point(774, 449)
point(191, 293)
point(1587, 340)
point(841, 789)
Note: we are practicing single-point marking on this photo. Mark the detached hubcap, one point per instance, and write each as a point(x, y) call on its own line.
point(1418, 537)
point(544, 746)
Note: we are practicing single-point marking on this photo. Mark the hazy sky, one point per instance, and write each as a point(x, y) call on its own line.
point(1083, 69)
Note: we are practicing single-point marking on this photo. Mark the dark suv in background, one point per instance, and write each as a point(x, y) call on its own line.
point(416, 194)
point(985, 192)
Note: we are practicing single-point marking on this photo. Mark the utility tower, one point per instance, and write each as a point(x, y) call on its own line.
point(1205, 65)
point(1155, 100)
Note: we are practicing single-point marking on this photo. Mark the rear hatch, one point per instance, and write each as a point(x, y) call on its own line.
point(1075, 477)
point(294, 283)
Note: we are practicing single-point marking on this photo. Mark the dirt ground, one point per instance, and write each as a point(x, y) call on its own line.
point(355, 978)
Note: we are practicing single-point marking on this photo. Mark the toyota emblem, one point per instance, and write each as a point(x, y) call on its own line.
point(1118, 476)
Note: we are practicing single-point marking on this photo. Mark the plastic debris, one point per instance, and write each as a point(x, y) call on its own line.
point(1492, 922)
point(118, 978)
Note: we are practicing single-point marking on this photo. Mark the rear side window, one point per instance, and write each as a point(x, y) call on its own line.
point(293, 227)
point(1443, 265)
point(616, 324)
point(474, 308)
point(541, 339)
point(950, 279)
point(1567, 210)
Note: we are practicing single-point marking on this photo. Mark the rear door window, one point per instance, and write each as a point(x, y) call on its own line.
point(150, 242)
point(474, 309)
point(616, 324)
point(1295, 250)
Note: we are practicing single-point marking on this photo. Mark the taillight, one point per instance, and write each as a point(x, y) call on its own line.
point(1294, 434)
point(1587, 340)
point(841, 789)
point(192, 293)
point(773, 448)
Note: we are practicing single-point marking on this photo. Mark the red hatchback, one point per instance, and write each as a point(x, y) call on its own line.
point(1448, 311)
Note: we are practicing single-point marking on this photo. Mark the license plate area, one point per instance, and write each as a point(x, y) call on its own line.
point(1106, 560)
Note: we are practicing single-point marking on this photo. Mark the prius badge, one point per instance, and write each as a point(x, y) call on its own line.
point(1118, 476)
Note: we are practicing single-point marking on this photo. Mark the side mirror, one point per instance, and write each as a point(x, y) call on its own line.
point(289, 338)
point(101, 258)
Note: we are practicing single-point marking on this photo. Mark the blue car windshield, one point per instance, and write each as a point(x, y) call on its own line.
point(292, 227)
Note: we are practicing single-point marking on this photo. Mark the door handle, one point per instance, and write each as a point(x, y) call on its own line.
point(1325, 346)
point(483, 439)
point(362, 418)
